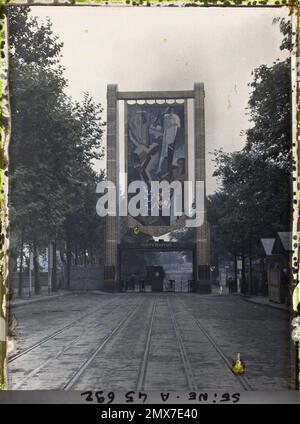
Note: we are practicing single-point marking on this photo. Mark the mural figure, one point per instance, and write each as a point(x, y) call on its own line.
point(170, 125)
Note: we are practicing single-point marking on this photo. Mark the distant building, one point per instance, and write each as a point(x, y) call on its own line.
point(264, 253)
point(279, 273)
point(275, 257)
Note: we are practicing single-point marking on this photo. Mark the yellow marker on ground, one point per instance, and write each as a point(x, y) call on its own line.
point(136, 230)
point(238, 367)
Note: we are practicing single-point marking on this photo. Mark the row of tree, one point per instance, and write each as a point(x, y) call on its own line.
point(54, 140)
point(254, 200)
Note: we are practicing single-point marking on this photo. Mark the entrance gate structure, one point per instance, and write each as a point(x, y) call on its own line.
point(162, 137)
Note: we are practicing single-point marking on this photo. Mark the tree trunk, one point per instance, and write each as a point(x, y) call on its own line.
point(251, 288)
point(85, 259)
point(76, 254)
point(244, 285)
point(54, 268)
point(20, 283)
point(69, 256)
point(235, 271)
point(37, 287)
point(63, 273)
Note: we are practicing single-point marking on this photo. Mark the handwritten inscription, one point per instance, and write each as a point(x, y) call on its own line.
point(132, 396)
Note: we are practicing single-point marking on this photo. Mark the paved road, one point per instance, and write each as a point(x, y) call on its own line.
point(149, 342)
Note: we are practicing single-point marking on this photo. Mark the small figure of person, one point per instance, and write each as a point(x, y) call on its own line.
point(132, 282)
point(171, 124)
point(141, 285)
point(172, 285)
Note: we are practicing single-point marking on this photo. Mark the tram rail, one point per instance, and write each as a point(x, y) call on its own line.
point(78, 373)
point(144, 365)
point(184, 355)
point(243, 380)
point(45, 339)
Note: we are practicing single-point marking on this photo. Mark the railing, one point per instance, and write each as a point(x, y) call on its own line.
point(168, 286)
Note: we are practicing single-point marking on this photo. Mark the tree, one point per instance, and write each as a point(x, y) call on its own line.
point(254, 199)
point(53, 141)
point(35, 77)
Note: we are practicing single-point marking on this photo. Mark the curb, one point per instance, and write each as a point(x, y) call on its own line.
point(268, 305)
point(42, 299)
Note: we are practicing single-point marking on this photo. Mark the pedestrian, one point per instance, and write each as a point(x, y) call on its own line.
point(172, 282)
point(141, 285)
point(132, 282)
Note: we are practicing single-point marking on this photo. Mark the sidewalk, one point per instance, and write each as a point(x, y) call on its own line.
point(264, 301)
point(44, 296)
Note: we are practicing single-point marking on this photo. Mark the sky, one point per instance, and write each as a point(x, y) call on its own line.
point(170, 49)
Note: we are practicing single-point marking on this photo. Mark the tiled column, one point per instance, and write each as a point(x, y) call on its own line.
point(112, 167)
point(202, 233)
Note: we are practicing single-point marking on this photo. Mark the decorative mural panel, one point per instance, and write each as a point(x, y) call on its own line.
point(156, 149)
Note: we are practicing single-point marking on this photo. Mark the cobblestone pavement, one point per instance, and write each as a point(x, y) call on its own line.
point(149, 342)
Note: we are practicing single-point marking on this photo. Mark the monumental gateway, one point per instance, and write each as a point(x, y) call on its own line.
point(155, 135)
